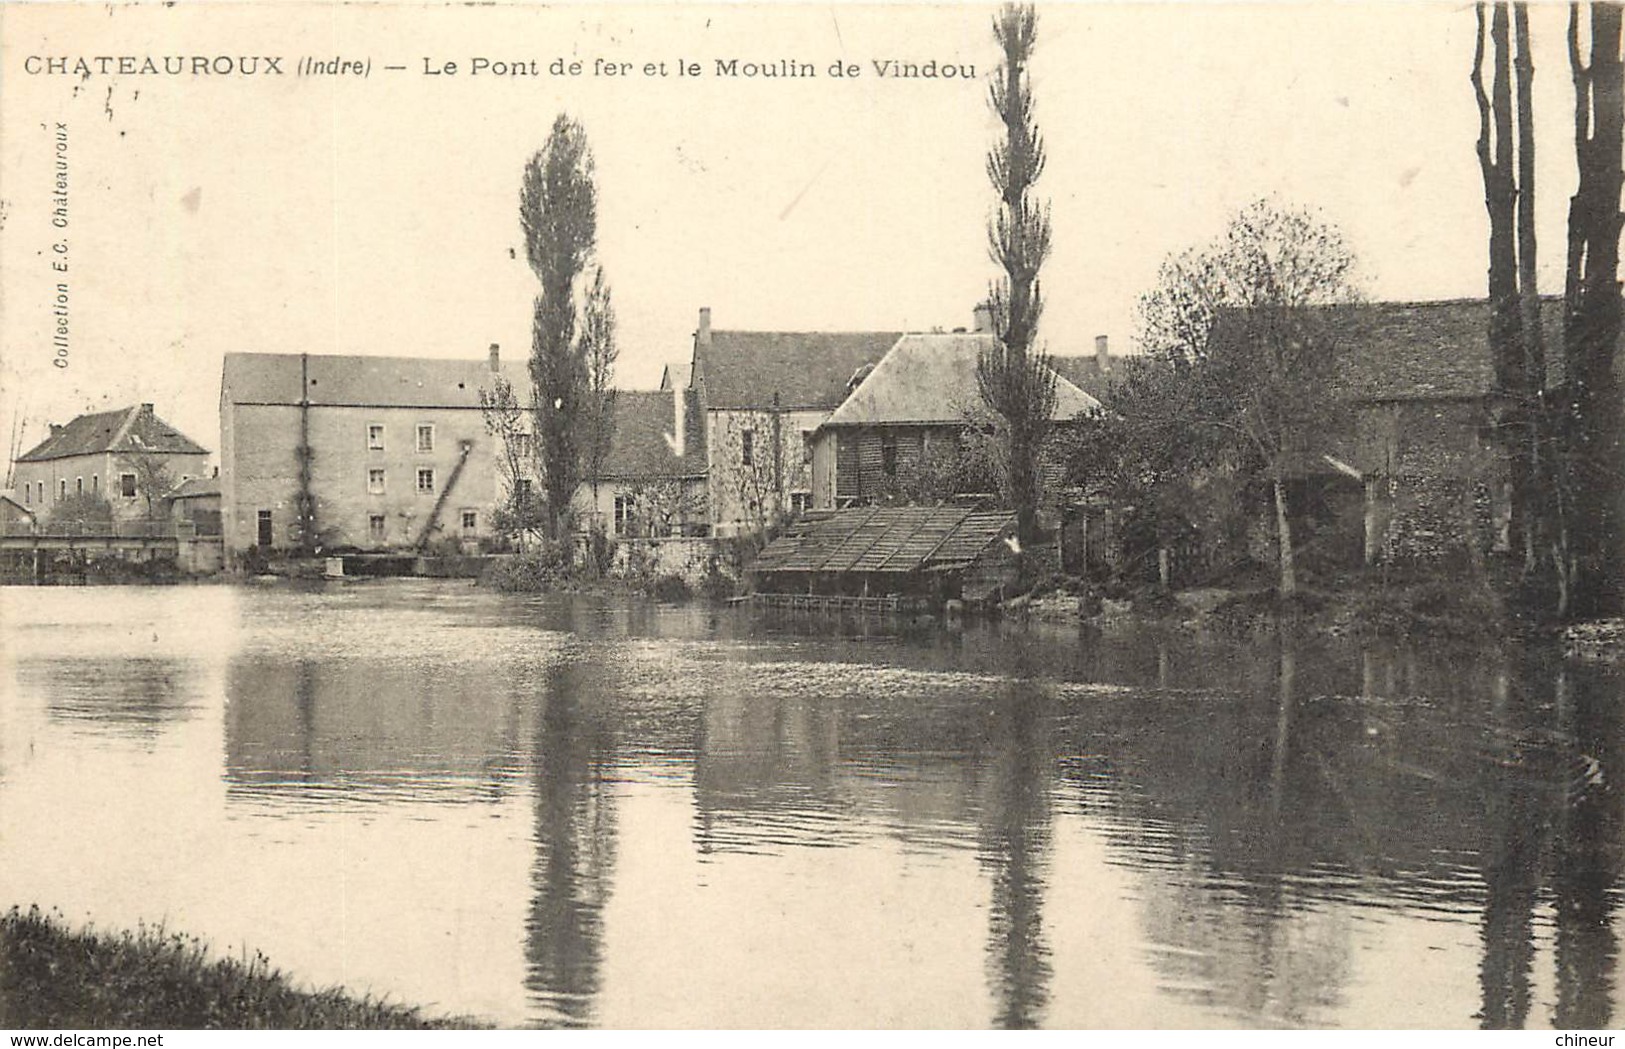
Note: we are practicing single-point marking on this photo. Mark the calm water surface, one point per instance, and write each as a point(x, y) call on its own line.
point(588, 812)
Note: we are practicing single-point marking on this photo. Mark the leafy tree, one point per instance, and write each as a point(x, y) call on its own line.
point(558, 210)
point(1015, 382)
point(1245, 357)
point(598, 352)
point(520, 514)
point(80, 510)
point(153, 477)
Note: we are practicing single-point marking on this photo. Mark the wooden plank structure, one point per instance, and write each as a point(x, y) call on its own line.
point(887, 558)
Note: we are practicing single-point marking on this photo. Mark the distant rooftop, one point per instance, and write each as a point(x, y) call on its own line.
point(132, 429)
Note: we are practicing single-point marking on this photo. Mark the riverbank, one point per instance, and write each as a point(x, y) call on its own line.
point(52, 976)
point(1414, 610)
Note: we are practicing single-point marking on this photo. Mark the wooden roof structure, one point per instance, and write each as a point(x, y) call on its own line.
point(899, 539)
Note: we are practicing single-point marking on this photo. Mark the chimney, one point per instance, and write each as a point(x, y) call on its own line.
point(146, 410)
point(496, 358)
point(1103, 360)
point(983, 318)
point(703, 335)
point(56, 428)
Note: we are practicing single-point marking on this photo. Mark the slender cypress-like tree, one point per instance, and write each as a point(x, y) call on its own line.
point(558, 210)
point(1015, 382)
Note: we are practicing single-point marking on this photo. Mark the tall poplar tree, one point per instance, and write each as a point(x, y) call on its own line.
point(1015, 382)
point(558, 210)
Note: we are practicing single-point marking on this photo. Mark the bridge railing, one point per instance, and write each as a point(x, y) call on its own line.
point(97, 529)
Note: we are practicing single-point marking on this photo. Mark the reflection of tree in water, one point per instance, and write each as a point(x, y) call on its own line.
point(575, 842)
point(1553, 819)
point(1590, 848)
point(129, 696)
point(1515, 834)
point(1015, 840)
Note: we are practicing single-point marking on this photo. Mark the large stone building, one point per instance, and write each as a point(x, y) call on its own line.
point(378, 452)
point(120, 456)
point(761, 396)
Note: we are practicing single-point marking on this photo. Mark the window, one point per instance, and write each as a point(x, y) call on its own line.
point(375, 436)
point(375, 527)
point(425, 481)
point(95, 484)
point(375, 480)
point(265, 534)
point(62, 492)
point(78, 486)
point(471, 520)
point(888, 455)
point(800, 502)
point(42, 493)
point(624, 506)
point(126, 485)
point(747, 447)
point(28, 496)
point(425, 437)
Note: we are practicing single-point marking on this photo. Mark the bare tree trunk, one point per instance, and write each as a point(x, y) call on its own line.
point(1283, 534)
point(1592, 412)
point(1495, 160)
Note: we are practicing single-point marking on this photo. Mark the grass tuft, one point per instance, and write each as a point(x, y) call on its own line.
point(54, 976)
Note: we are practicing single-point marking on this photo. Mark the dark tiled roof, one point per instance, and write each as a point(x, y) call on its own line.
point(355, 380)
point(1425, 350)
point(932, 379)
point(196, 488)
point(743, 369)
point(1084, 373)
point(643, 444)
point(1386, 351)
point(131, 429)
point(886, 539)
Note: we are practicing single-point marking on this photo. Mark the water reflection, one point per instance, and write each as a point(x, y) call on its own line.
point(375, 728)
point(1001, 826)
point(1014, 844)
point(134, 697)
point(575, 756)
point(1590, 848)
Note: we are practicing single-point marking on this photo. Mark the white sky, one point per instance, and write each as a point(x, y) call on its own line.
point(377, 216)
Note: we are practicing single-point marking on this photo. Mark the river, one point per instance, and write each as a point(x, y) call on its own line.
point(602, 812)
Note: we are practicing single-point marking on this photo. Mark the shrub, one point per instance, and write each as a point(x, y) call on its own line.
point(673, 588)
point(545, 566)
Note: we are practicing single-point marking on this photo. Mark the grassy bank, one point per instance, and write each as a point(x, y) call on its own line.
point(53, 977)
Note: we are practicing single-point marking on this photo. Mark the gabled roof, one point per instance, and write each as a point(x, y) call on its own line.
point(10, 496)
point(132, 429)
point(195, 488)
point(887, 539)
point(744, 369)
point(675, 374)
point(363, 381)
point(643, 445)
point(1085, 373)
point(932, 379)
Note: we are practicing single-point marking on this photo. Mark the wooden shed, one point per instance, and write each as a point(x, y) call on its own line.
point(889, 557)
